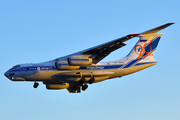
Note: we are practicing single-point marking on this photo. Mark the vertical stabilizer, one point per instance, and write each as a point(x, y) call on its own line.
point(147, 44)
point(145, 47)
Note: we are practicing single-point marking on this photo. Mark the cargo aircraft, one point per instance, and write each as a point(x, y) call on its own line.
point(74, 72)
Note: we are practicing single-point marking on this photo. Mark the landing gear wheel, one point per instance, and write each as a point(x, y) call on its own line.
point(84, 87)
point(82, 80)
point(91, 80)
point(36, 85)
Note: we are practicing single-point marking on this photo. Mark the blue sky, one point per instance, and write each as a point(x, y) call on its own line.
point(34, 31)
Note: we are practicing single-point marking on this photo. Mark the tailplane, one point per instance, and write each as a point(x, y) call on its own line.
point(147, 44)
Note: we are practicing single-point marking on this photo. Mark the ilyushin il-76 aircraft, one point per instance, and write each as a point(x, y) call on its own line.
point(74, 72)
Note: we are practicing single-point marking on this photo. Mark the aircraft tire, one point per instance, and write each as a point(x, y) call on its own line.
point(91, 80)
point(36, 85)
point(84, 87)
point(82, 80)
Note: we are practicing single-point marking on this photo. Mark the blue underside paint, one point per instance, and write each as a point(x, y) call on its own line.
point(40, 68)
point(138, 64)
point(100, 67)
point(131, 63)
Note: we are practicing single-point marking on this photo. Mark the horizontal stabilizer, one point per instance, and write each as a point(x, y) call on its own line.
point(157, 29)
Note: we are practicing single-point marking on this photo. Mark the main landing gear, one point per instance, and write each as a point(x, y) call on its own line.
point(84, 87)
point(77, 87)
point(91, 80)
point(35, 84)
point(82, 82)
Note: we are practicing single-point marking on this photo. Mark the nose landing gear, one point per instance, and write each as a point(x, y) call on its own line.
point(35, 84)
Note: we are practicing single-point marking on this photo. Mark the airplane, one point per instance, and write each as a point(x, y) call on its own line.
point(74, 72)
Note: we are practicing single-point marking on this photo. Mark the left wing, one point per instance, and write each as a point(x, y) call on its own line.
point(97, 53)
point(103, 50)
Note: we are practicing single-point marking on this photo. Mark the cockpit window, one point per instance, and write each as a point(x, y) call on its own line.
point(16, 66)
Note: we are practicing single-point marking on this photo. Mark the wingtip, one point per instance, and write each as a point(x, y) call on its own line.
point(134, 35)
point(157, 29)
point(170, 23)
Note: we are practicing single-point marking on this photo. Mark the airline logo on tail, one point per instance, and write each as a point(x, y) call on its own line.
point(145, 50)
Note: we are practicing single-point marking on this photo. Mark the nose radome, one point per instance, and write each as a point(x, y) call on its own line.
point(6, 74)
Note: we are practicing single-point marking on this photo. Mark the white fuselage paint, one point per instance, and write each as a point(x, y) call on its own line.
point(46, 75)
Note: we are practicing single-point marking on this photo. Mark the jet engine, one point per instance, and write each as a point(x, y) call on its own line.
point(79, 61)
point(63, 65)
point(57, 86)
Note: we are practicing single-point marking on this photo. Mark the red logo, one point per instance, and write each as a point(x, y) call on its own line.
point(140, 49)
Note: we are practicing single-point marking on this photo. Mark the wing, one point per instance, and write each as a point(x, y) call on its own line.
point(95, 54)
point(105, 49)
point(99, 52)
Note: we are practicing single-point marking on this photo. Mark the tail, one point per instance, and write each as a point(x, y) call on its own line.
point(143, 51)
point(145, 47)
point(147, 44)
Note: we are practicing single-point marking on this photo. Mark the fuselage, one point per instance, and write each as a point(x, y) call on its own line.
point(48, 71)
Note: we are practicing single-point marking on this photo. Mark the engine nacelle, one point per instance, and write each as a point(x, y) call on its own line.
point(57, 86)
point(63, 65)
point(79, 60)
